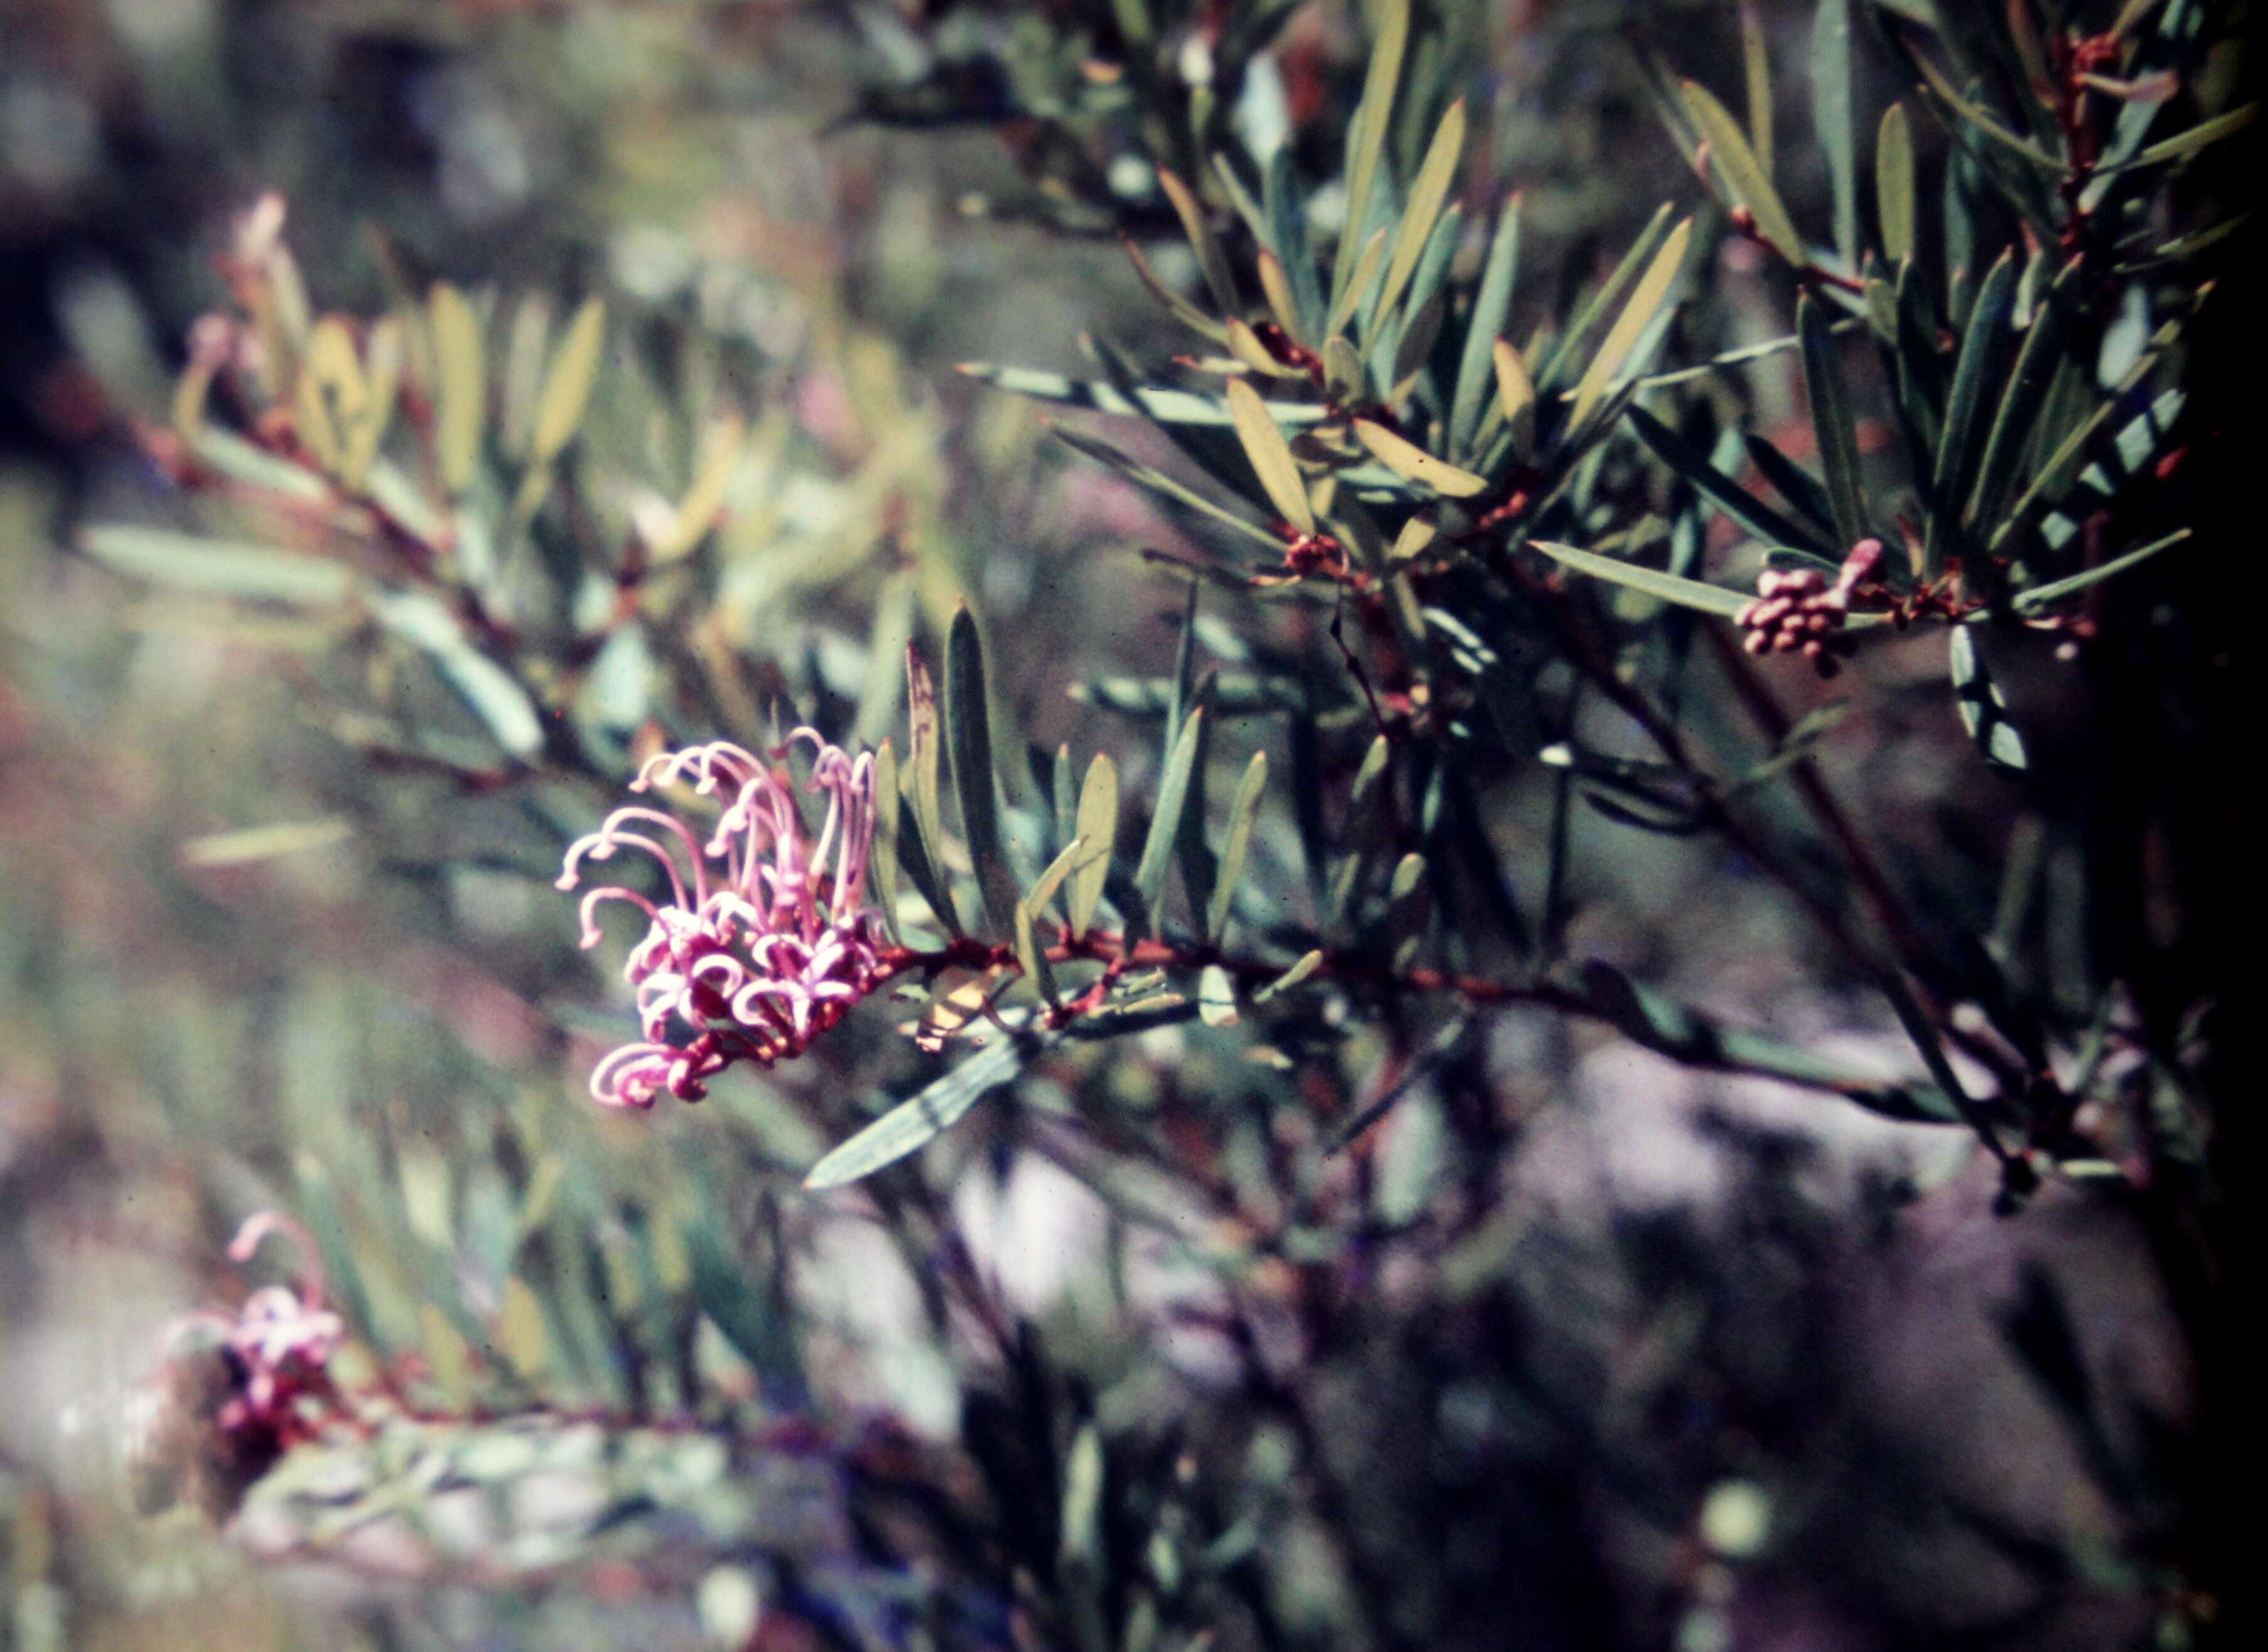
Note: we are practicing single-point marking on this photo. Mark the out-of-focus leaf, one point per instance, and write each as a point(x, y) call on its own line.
point(886, 804)
point(1427, 193)
point(521, 1335)
point(1342, 307)
point(1098, 825)
point(969, 731)
point(2040, 597)
point(1490, 304)
point(1686, 594)
point(460, 383)
point(1743, 178)
point(493, 692)
point(1652, 291)
point(1984, 713)
point(1830, 417)
point(1271, 457)
point(1212, 264)
point(2181, 145)
point(1165, 824)
point(1030, 956)
point(1894, 185)
point(218, 568)
point(1287, 222)
point(914, 1123)
point(1307, 965)
point(1756, 76)
point(1366, 141)
point(254, 844)
point(1405, 458)
point(1236, 846)
point(1515, 393)
point(567, 384)
point(1831, 114)
point(1164, 487)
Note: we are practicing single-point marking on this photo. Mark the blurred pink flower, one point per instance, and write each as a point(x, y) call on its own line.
point(765, 938)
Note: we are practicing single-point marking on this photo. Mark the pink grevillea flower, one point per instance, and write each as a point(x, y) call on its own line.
point(763, 939)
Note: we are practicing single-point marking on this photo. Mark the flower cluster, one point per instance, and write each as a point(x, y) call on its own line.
point(235, 1393)
point(1797, 611)
point(764, 939)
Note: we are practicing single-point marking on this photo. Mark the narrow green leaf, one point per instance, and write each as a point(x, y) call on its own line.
point(219, 567)
point(969, 732)
point(1405, 458)
point(1515, 393)
point(1030, 957)
point(1556, 366)
point(926, 734)
point(1686, 594)
point(1074, 857)
point(1720, 489)
point(567, 383)
point(1980, 353)
point(1287, 222)
point(1159, 402)
point(1238, 844)
point(1830, 417)
point(1271, 457)
point(1212, 264)
point(1743, 179)
point(1755, 66)
point(2184, 144)
point(1165, 824)
point(1490, 304)
point(915, 1123)
point(1182, 311)
point(1167, 488)
point(1984, 713)
point(493, 694)
point(2040, 597)
point(460, 384)
point(1098, 825)
point(1365, 141)
point(1894, 185)
point(1652, 291)
point(1342, 307)
point(2018, 403)
point(1427, 193)
point(1831, 114)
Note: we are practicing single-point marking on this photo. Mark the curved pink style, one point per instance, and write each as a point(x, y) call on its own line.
point(765, 938)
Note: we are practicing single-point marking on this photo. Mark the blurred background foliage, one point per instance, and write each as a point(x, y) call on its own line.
point(1579, 1345)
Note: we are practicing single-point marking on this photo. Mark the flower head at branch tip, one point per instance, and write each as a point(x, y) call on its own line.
point(760, 938)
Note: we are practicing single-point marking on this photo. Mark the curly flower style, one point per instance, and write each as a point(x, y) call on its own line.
point(766, 939)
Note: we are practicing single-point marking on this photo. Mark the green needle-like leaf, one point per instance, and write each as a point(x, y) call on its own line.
point(1743, 176)
point(1238, 845)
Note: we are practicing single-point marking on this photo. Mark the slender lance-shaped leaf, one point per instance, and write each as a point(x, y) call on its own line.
point(1755, 67)
point(1196, 855)
point(1651, 290)
point(1984, 713)
point(1686, 594)
point(1980, 351)
point(2037, 361)
point(1367, 140)
point(1342, 307)
point(913, 1124)
point(460, 383)
point(1831, 114)
point(1555, 367)
point(1237, 846)
point(1098, 825)
point(1287, 222)
point(1720, 489)
point(1165, 824)
point(1307, 965)
point(1182, 310)
point(1159, 402)
point(1405, 458)
point(1894, 185)
point(969, 731)
point(1515, 396)
point(1211, 261)
point(1831, 416)
point(1030, 956)
point(1490, 304)
point(887, 802)
point(567, 383)
point(1271, 457)
point(219, 567)
point(925, 732)
point(1427, 193)
point(2040, 597)
point(1744, 178)
point(1075, 856)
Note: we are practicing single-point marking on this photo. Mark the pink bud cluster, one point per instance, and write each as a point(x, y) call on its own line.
point(1796, 611)
point(764, 939)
